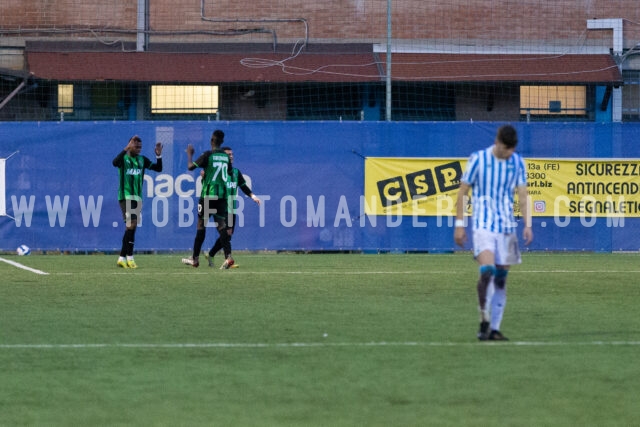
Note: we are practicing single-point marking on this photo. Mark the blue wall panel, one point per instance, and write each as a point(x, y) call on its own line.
point(297, 167)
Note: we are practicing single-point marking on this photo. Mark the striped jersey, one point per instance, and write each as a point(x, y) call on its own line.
point(493, 183)
point(216, 173)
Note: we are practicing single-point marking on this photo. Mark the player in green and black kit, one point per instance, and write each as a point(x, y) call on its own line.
point(236, 180)
point(213, 198)
point(131, 166)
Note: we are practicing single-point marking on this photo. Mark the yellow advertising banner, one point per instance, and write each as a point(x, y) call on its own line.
point(575, 187)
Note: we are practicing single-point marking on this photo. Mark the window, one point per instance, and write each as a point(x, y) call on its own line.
point(65, 98)
point(553, 100)
point(184, 99)
point(631, 96)
point(423, 101)
point(324, 101)
point(108, 101)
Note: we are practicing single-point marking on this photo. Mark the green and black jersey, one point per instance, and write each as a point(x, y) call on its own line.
point(236, 180)
point(216, 174)
point(131, 172)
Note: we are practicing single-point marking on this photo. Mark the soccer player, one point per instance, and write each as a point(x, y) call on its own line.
point(494, 175)
point(236, 180)
point(131, 167)
point(213, 197)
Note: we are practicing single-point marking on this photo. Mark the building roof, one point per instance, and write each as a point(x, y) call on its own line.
point(539, 68)
point(226, 67)
point(202, 67)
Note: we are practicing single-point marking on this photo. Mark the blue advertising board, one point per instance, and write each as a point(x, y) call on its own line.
point(59, 187)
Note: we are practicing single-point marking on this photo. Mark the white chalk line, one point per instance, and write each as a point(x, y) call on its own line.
point(207, 271)
point(223, 345)
point(22, 266)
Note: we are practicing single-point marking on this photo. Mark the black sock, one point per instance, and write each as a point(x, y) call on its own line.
point(216, 247)
point(125, 239)
point(197, 243)
point(130, 236)
point(227, 252)
point(225, 241)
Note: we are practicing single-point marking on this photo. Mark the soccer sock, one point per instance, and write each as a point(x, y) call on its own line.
point(123, 248)
point(197, 243)
point(228, 254)
point(130, 236)
point(216, 247)
point(490, 291)
point(225, 241)
point(499, 299)
point(486, 274)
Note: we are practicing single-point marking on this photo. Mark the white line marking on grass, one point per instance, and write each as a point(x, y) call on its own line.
point(348, 273)
point(573, 271)
point(321, 344)
point(24, 267)
point(338, 273)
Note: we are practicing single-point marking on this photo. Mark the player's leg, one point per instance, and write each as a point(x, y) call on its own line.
point(484, 243)
point(498, 303)
point(201, 234)
point(507, 253)
point(230, 229)
point(484, 290)
point(130, 211)
point(225, 235)
point(122, 259)
point(134, 208)
point(130, 237)
point(216, 247)
point(212, 253)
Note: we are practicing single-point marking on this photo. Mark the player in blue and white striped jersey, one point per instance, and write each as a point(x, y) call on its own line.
point(494, 175)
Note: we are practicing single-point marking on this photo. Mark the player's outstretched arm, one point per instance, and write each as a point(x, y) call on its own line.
point(190, 150)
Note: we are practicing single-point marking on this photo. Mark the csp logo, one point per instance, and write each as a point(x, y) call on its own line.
point(420, 184)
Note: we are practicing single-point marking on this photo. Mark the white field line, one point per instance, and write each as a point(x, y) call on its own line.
point(223, 345)
point(342, 273)
point(24, 267)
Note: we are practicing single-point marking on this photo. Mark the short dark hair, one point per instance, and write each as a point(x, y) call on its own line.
point(217, 137)
point(136, 138)
point(508, 136)
point(226, 148)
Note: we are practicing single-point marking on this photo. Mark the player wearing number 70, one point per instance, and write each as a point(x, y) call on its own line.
point(213, 198)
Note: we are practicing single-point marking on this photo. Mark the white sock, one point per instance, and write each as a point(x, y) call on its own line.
point(129, 257)
point(498, 303)
point(121, 258)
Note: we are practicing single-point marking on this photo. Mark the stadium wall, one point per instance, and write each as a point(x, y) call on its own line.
point(61, 188)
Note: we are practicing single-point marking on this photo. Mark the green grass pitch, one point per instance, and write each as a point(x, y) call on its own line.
point(317, 340)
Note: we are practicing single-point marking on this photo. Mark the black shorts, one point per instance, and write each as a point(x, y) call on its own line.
point(215, 208)
point(131, 209)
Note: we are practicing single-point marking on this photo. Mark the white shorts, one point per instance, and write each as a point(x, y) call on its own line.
point(504, 246)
